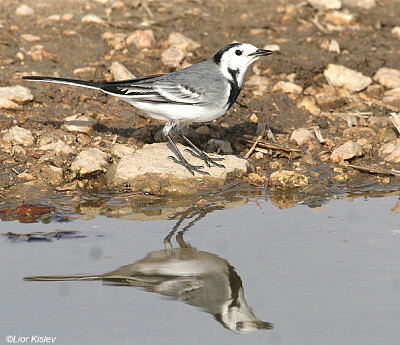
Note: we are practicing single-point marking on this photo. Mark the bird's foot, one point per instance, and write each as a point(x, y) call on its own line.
point(188, 166)
point(208, 160)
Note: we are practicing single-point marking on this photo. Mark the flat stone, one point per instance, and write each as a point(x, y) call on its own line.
point(340, 18)
point(309, 104)
point(392, 98)
point(388, 77)
point(342, 76)
point(24, 10)
point(302, 135)
point(120, 72)
point(121, 150)
point(287, 178)
point(390, 151)
point(142, 39)
point(326, 4)
point(79, 124)
point(149, 169)
point(172, 57)
point(92, 19)
point(18, 136)
point(7, 104)
point(58, 147)
point(180, 41)
point(365, 4)
point(90, 161)
point(346, 151)
point(17, 93)
point(287, 87)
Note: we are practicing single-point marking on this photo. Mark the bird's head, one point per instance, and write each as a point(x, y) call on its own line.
point(238, 57)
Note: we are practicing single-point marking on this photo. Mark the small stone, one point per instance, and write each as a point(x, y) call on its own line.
point(341, 76)
point(8, 104)
point(340, 18)
point(18, 136)
point(179, 41)
point(141, 39)
point(92, 19)
point(390, 152)
point(388, 77)
point(254, 118)
point(19, 94)
point(20, 56)
point(287, 87)
point(396, 31)
point(85, 72)
point(326, 4)
point(218, 145)
point(258, 155)
point(58, 147)
point(392, 98)
point(272, 47)
point(54, 17)
point(301, 136)
point(30, 38)
point(115, 39)
point(79, 124)
point(258, 83)
point(365, 4)
point(287, 178)
point(255, 178)
point(309, 104)
point(172, 57)
point(24, 10)
point(121, 150)
point(346, 151)
point(325, 95)
point(90, 161)
point(25, 176)
point(334, 46)
point(120, 72)
point(67, 17)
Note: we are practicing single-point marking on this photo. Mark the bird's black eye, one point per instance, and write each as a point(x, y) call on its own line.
point(238, 52)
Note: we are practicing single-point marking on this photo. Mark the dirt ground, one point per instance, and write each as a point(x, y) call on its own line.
point(299, 29)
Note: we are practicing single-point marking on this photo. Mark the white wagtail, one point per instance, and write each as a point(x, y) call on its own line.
point(199, 93)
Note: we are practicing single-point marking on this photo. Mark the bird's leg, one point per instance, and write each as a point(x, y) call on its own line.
point(180, 160)
point(200, 154)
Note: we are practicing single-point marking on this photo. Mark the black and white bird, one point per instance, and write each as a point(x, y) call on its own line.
point(199, 93)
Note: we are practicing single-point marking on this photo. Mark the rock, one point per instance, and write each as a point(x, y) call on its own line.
point(92, 19)
point(79, 124)
point(346, 151)
point(287, 87)
point(149, 169)
point(365, 4)
point(172, 57)
point(58, 147)
point(390, 151)
point(54, 17)
point(115, 39)
point(121, 150)
point(341, 76)
point(258, 83)
point(216, 145)
point(18, 136)
point(325, 95)
point(90, 161)
point(258, 156)
point(52, 174)
point(255, 178)
point(67, 17)
point(254, 118)
point(120, 72)
point(301, 135)
point(309, 104)
point(272, 47)
point(85, 72)
point(19, 94)
point(396, 31)
point(30, 38)
point(340, 18)
point(334, 46)
point(326, 4)
point(141, 39)
point(7, 104)
point(392, 98)
point(179, 41)
point(24, 10)
point(388, 77)
point(287, 178)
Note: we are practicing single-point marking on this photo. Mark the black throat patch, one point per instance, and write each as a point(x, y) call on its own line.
point(235, 89)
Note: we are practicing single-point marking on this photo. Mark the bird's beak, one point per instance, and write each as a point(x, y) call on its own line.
point(261, 52)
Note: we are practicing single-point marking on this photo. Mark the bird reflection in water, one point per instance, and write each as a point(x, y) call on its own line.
point(198, 278)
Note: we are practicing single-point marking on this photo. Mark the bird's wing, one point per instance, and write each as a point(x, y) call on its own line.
point(155, 90)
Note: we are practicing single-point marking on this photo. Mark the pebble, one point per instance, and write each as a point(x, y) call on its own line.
point(346, 151)
point(141, 39)
point(54, 17)
point(115, 39)
point(24, 10)
point(309, 104)
point(342, 76)
point(8, 104)
point(388, 77)
point(79, 124)
point(255, 178)
point(92, 19)
point(326, 4)
point(67, 17)
point(254, 118)
point(340, 18)
point(392, 98)
point(121, 150)
point(287, 87)
point(90, 161)
point(258, 155)
point(85, 72)
point(223, 146)
point(120, 72)
point(58, 147)
point(19, 94)
point(334, 46)
point(30, 38)
point(390, 152)
point(364, 4)
point(258, 83)
point(172, 57)
point(287, 178)
point(180, 41)
point(272, 47)
point(301, 136)
point(18, 136)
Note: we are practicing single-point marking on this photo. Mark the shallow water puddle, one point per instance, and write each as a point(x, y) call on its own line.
point(231, 270)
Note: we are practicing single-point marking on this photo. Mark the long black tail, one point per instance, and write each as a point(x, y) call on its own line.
point(82, 83)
